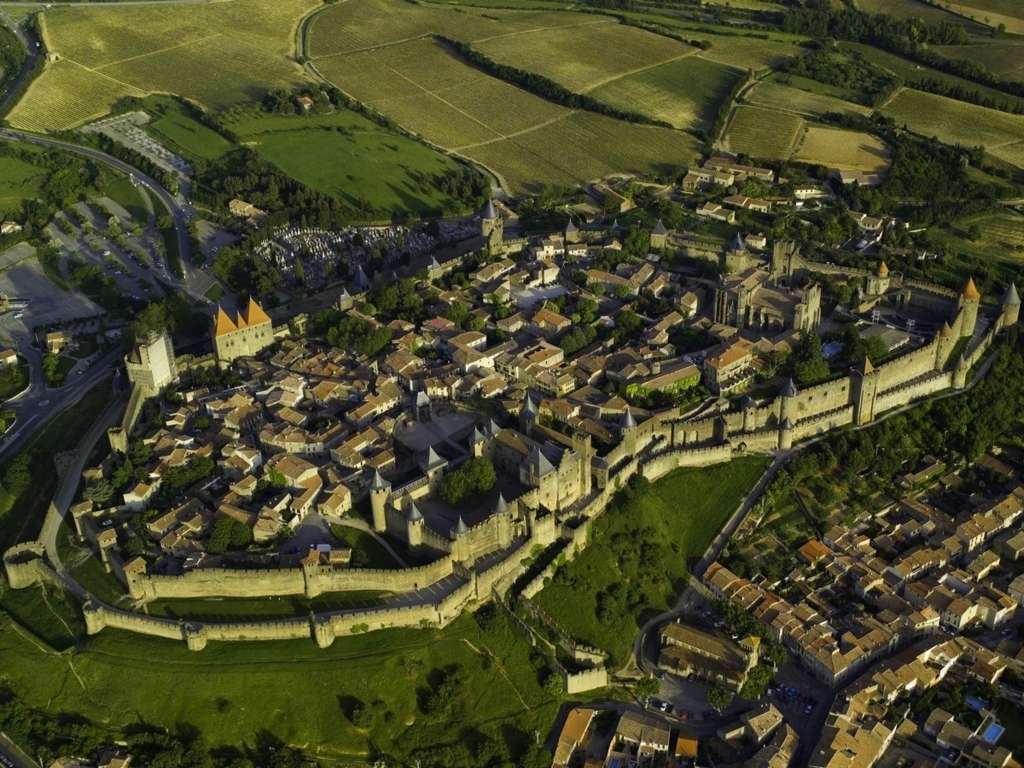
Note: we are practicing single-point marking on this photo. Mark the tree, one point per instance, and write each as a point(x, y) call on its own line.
point(100, 492)
point(719, 697)
point(553, 685)
point(473, 478)
point(228, 534)
point(51, 369)
point(646, 687)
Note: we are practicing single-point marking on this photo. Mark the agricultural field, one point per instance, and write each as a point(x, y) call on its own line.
point(909, 9)
point(345, 155)
point(362, 25)
point(911, 72)
point(301, 693)
point(752, 5)
point(955, 122)
point(522, 138)
point(788, 95)
point(991, 13)
point(589, 55)
point(67, 95)
point(622, 65)
point(838, 148)
point(747, 52)
point(657, 92)
point(1002, 58)
point(217, 54)
point(1000, 237)
point(755, 50)
point(650, 537)
point(763, 133)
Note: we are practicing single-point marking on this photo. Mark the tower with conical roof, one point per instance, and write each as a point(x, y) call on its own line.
point(787, 401)
point(878, 283)
point(492, 227)
point(960, 372)
point(945, 343)
point(572, 232)
point(659, 236)
point(969, 304)
point(477, 443)
point(528, 414)
point(627, 431)
point(414, 525)
point(1010, 309)
point(786, 435)
point(380, 490)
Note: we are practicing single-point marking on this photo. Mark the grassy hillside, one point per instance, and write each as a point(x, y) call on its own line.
point(294, 689)
point(643, 543)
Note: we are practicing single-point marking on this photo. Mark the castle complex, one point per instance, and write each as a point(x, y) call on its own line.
point(318, 431)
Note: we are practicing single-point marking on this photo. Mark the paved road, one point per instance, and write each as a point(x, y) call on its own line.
point(28, 69)
point(178, 212)
point(36, 407)
point(12, 757)
point(67, 486)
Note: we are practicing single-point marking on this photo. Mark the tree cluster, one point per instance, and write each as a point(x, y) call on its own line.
point(472, 479)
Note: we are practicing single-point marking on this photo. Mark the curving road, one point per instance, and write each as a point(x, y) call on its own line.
point(28, 70)
point(179, 214)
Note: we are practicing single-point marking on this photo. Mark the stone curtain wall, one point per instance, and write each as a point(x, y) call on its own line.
point(255, 582)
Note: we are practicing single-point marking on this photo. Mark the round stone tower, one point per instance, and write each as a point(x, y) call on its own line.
point(380, 490)
point(1010, 307)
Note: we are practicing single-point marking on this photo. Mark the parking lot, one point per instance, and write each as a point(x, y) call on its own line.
point(126, 130)
point(132, 258)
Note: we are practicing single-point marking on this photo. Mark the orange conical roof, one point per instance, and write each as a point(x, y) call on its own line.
point(883, 269)
point(222, 323)
point(240, 321)
point(971, 290)
point(254, 314)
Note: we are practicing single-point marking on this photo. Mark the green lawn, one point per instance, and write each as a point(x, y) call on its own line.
point(49, 614)
point(637, 563)
point(296, 690)
point(366, 550)
point(13, 379)
point(173, 126)
point(345, 155)
point(19, 180)
point(125, 194)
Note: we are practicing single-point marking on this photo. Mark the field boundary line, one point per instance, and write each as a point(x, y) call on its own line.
point(514, 134)
point(158, 51)
point(447, 103)
point(371, 48)
point(888, 99)
point(601, 83)
point(531, 30)
point(102, 74)
point(501, 668)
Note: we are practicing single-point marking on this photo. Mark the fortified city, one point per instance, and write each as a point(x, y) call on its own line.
point(511, 384)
